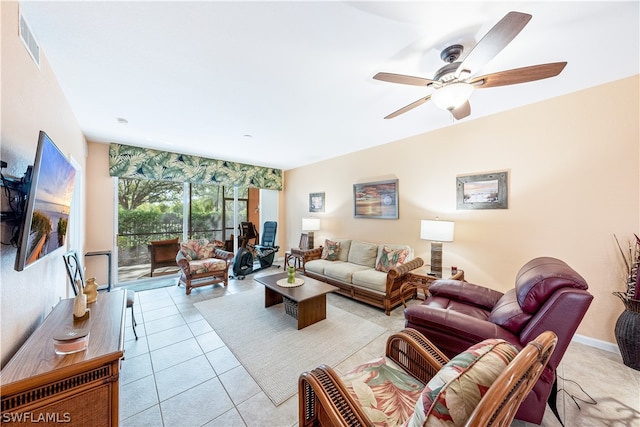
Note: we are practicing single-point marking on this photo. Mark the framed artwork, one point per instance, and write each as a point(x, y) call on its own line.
point(484, 191)
point(316, 202)
point(376, 200)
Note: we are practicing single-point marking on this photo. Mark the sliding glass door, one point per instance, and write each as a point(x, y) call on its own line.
point(156, 210)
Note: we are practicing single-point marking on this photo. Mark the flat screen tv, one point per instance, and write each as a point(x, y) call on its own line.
point(46, 213)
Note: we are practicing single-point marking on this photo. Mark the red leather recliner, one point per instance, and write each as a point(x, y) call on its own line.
point(548, 296)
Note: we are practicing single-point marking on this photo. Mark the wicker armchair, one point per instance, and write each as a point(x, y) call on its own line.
point(325, 398)
point(202, 263)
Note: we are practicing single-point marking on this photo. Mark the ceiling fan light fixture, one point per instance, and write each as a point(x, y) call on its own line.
point(452, 95)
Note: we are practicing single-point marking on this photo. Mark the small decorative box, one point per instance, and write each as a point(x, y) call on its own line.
point(71, 341)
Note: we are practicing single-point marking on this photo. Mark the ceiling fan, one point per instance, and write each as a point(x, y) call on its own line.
point(455, 82)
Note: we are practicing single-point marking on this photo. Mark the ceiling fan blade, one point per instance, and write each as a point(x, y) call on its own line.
point(519, 75)
point(402, 79)
point(461, 111)
point(408, 107)
point(493, 42)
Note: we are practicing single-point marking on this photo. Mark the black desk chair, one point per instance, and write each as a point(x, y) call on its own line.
point(76, 275)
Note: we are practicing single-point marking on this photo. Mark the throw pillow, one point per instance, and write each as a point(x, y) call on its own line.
point(384, 391)
point(452, 395)
point(391, 258)
point(197, 249)
point(330, 250)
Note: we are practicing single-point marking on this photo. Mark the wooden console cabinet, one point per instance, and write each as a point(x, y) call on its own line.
point(40, 386)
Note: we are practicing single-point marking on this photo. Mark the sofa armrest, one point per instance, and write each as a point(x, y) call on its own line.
point(222, 254)
point(403, 269)
point(312, 254)
point(323, 397)
point(450, 323)
point(466, 292)
point(183, 262)
point(415, 354)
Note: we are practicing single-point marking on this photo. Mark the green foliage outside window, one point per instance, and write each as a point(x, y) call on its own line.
point(153, 210)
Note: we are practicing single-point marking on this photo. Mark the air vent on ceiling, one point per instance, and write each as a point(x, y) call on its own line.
point(29, 41)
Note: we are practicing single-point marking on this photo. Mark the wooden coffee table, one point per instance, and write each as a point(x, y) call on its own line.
point(306, 303)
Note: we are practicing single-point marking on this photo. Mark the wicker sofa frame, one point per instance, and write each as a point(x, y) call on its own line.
point(388, 300)
point(323, 399)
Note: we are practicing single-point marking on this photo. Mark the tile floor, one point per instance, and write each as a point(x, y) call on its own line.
point(179, 372)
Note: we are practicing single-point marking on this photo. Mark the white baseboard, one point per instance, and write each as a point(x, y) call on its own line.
point(592, 342)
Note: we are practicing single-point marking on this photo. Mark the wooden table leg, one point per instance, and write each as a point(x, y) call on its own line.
point(271, 297)
point(312, 310)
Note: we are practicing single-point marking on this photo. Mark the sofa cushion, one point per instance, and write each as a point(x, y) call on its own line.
point(330, 250)
point(508, 314)
point(207, 265)
point(370, 279)
point(389, 258)
point(384, 391)
point(343, 252)
point(318, 265)
point(363, 253)
point(452, 395)
point(342, 271)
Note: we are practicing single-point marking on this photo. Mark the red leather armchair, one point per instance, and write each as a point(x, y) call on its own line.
point(548, 295)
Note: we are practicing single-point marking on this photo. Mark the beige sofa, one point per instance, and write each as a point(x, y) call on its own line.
point(357, 268)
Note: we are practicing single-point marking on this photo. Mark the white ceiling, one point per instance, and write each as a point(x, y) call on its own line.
point(196, 77)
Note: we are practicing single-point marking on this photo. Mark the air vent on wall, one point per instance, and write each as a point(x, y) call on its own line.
point(29, 41)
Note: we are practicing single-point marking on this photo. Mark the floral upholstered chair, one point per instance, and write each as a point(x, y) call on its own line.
point(415, 384)
point(203, 263)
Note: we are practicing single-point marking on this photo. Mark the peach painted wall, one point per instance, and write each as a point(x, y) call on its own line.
point(574, 181)
point(100, 213)
point(31, 101)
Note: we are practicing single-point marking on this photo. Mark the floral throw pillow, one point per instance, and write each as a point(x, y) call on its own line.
point(385, 392)
point(330, 250)
point(197, 249)
point(391, 258)
point(451, 396)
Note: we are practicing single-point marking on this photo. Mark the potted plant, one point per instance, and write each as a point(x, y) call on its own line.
point(627, 328)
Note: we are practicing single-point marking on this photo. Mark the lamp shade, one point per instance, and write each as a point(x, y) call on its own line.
point(310, 224)
point(451, 96)
point(436, 230)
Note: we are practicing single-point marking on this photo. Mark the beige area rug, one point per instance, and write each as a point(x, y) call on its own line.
point(268, 344)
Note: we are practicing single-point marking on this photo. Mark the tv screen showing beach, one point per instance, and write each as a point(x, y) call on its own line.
point(49, 204)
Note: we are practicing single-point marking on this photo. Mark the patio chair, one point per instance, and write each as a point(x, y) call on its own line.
point(163, 253)
point(417, 384)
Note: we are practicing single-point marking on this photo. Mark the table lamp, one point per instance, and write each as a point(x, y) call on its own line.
point(437, 232)
point(310, 225)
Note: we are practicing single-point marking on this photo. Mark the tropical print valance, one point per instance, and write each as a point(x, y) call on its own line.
point(143, 163)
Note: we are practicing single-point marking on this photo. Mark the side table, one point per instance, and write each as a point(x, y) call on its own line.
point(297, 255)
point(421, 278)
